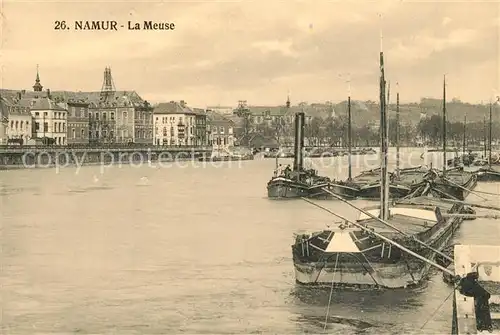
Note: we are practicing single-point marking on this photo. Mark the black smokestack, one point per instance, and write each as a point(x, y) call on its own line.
point(298, 161)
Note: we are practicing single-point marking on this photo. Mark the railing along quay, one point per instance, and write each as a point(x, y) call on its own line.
point(101, 148)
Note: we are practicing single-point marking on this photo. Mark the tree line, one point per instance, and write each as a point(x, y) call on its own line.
point(334, 132)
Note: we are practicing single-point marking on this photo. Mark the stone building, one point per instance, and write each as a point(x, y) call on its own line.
point(174, 124)
point(17, 121)
point(200, 127)
point(220, 130)
point(78, 122)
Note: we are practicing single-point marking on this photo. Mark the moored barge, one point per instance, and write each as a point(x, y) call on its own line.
point(350, 257)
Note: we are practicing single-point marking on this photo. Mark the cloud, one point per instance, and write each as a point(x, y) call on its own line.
point(224, 51)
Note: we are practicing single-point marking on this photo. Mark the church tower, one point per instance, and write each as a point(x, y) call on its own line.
point(37, 87)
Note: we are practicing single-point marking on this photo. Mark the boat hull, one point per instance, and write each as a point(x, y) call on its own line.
point(282, 188)
point(373, 191)
point(345, 191)
point(488, 174)
point(457, 191)
point(225, 159)
point(359, 275)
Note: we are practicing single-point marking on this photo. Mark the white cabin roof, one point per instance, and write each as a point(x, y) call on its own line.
point(419, 213)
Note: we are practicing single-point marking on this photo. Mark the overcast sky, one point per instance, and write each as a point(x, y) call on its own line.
point(222, 52)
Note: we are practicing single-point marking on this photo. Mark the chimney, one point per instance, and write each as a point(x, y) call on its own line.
point(18, 95)
point(23, 92)
point(298, 161)
point(48, 93)
point(183, 103)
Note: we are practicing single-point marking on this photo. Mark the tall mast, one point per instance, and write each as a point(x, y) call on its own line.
point(485, 138)
point(464, 142)
point(489, 135)
point(349, 138)
point(445, 163)
point(384, 180)
point(397, 132)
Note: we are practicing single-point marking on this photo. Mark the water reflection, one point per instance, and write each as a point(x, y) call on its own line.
point(351, 310)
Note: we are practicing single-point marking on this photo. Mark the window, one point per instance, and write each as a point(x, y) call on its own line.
point(37, 114)
point(124, 116)
point(164, 131)
point(83, 133)
point(45, 114)
point(97, 115)
point(37, 126)
point(221, 130)
point(74, 132)
point(112, 116)
point(27, 125)
point(12, 124)
point(104, 116)
point(45, 126)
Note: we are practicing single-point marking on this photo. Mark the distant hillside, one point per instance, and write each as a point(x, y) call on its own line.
point(364, 112)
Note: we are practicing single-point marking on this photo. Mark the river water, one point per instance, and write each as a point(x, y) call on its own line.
point(193, 249)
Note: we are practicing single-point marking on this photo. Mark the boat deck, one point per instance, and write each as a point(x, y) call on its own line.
point(459, 177)
point(411, 177)
point(427, 201)
point(410, 219)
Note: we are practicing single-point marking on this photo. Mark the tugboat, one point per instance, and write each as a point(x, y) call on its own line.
point(296, 182)
point(358, 254)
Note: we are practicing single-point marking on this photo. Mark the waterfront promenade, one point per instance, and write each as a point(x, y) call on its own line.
point(33, 156)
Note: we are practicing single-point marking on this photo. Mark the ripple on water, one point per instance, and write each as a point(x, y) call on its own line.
point(197, 251)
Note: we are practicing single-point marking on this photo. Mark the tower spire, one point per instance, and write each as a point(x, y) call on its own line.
point(37, 87)
point(108, 87)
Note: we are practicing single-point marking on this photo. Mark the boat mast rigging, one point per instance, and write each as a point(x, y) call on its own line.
point(445, 163)
point(384, 180)
point(397, 131)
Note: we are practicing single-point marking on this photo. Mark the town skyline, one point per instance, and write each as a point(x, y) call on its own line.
point(224, 52)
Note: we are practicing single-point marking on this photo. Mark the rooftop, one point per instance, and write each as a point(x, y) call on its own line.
point(173, 107)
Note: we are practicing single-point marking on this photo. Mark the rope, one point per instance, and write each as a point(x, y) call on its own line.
point(387, 224)
point(439, 307)
point(331, 292)
point(367, 261)
point(386, 239)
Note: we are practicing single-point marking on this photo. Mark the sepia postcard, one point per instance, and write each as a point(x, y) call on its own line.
point(249, 167)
